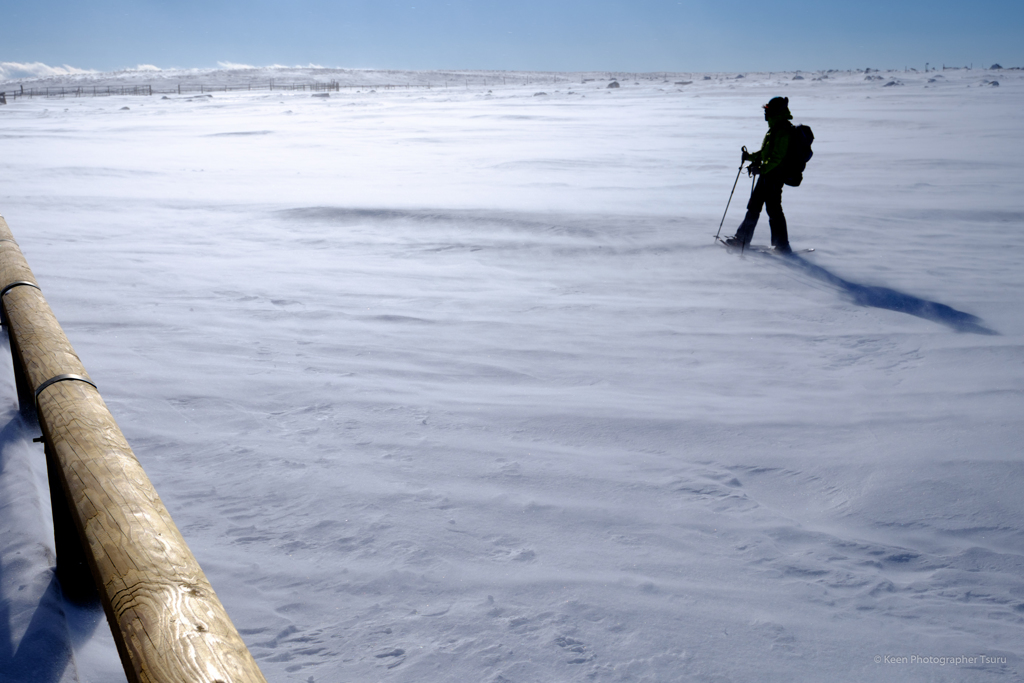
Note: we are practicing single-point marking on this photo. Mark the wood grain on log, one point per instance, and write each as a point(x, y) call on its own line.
point(166, 619)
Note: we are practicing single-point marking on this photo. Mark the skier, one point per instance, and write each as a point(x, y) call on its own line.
point(769, 163)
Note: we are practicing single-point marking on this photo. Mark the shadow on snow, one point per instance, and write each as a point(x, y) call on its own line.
point(45, 650)
point(892, 300)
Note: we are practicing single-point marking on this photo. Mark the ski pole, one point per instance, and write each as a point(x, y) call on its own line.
point(743, 161)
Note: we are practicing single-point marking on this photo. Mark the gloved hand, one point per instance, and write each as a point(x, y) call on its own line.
point(754, 169)
point(747, 155)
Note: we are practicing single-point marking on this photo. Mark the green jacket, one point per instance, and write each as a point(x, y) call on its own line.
point(776, 144)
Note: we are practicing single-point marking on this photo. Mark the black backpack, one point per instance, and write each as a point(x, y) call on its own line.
point(798, 154)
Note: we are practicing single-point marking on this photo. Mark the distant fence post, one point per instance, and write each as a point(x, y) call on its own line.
point(149, 90)
point(166, 620)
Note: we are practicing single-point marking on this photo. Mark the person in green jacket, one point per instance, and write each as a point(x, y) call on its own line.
point(769, 163)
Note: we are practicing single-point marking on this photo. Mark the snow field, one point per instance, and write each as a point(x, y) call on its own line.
point(445, 385)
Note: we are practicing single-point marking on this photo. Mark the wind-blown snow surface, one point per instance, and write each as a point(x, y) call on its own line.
point(455, 385)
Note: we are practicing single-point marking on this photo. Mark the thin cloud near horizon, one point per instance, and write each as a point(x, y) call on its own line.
point(649, 36)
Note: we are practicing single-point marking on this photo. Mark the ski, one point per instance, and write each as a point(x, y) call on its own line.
point(761, 249)
point(771, 250)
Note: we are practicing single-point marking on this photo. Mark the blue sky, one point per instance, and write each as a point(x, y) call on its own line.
point(640, 35)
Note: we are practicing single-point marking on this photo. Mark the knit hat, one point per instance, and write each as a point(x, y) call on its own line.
point(778, 106)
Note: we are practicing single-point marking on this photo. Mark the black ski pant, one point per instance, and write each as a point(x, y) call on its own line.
point(767, 193)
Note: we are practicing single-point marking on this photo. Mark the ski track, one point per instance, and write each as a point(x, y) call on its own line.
point(449, 384)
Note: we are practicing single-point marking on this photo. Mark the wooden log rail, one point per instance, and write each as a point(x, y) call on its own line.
point(109, 521)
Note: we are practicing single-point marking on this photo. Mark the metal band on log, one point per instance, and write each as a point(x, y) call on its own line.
point(166, 619)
